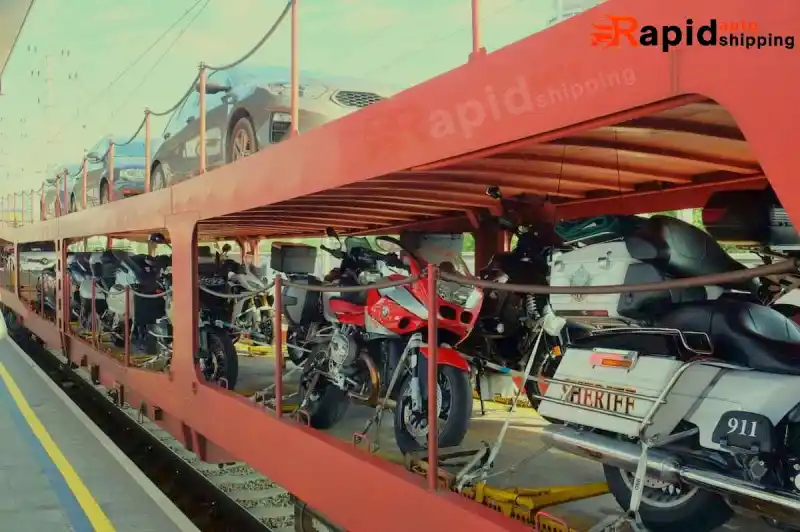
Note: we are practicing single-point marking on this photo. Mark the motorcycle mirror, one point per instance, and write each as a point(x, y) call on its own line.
point(330, 232)
point(226, 248)
point(507, 223)
point(156, 238)
point(494, 192)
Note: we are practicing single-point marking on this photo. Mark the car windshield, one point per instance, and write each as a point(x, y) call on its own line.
point(134, 149)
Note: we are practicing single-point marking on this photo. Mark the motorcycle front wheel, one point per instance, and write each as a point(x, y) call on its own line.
point(328, 403)
point(221, 361)
point(454, 399)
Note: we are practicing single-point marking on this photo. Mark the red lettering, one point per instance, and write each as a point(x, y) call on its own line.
point(609, 35)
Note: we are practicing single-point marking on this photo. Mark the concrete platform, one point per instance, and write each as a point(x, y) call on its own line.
point(58, 471)
point(522, 440)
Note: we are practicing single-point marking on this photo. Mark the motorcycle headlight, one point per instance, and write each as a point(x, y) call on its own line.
point(456, 294)
point(132, 173)
point(306, 91)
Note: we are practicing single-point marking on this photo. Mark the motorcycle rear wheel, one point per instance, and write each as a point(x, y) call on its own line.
point(694, 511)
point(455, 401)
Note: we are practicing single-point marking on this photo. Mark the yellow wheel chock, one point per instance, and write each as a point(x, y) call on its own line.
point(521, 504)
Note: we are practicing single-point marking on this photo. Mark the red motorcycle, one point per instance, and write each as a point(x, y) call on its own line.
point(370, 344)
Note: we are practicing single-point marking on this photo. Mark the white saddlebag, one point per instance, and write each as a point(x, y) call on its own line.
point(596, 265)
point(647, 376)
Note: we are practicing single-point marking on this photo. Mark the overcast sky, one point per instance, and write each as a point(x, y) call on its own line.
point(83, 45)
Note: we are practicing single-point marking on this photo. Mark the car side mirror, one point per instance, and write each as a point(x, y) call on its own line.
point(92, 155)
point(213, 88)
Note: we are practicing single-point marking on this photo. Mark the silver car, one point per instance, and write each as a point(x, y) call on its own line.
point(248, 108)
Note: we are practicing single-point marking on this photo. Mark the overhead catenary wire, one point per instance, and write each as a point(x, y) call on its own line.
point(259, 44)
point(104, 91)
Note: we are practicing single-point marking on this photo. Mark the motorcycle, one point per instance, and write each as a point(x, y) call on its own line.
point(78, 271)
point(506, 331)
point(114, 272)
point(373, 344)
point(216, 356)
point(251, 316)
point(688, 397)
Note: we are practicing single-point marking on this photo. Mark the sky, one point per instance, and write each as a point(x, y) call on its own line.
point(62, 90)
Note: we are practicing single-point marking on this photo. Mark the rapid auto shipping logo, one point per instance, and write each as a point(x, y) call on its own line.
point(627, 30)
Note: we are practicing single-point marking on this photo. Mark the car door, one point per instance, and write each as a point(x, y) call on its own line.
point(95, 167)
point(186, 137)
point(170, 153)
point(219, 105)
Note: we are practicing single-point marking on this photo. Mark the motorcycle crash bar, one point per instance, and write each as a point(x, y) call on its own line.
point(660, 464)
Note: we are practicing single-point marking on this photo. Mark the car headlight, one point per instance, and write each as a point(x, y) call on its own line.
point(132, 173)
point(306, 91)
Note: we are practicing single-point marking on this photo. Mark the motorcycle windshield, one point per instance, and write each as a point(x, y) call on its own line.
point(451, 261)
point(354, 242)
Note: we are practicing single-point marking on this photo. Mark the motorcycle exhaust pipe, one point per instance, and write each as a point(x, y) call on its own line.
point(660, 465)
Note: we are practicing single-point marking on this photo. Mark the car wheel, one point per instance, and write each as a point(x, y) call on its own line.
point(243, 141)
point(158, 179)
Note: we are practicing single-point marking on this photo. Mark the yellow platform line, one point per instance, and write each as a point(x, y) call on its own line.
point(98, 519)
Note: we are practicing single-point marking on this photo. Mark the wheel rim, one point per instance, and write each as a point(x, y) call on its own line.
point(661, 494)
point(418, 428)
point(242, 145)
point(214, 367)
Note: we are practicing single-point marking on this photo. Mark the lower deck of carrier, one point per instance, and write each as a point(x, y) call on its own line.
point(58, 471)
point(522, 440)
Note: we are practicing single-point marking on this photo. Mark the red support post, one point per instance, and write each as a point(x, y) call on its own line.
point(84, 179)
point(433, 348)
point(477, 46)
point(147, 155)
point(93, 317)
point(202, 119)
point(278, 345)
point(111, 171)
point(127, 326)
point(295, 84)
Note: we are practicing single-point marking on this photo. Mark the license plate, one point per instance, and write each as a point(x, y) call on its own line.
point(745, 431)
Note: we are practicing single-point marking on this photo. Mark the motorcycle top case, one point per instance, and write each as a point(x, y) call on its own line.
point(597, 265)
point(300, 306)
point(293, 259)
point(748, 217)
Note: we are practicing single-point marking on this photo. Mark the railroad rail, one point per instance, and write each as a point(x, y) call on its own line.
point(644, 131)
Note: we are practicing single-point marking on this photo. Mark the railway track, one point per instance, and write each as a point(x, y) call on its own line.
point(215, 497)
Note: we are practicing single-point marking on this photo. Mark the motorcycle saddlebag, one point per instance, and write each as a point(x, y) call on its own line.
point(301, 306)
point(292, 258)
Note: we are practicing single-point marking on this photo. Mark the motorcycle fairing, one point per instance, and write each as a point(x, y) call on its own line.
point(346, 312)
point(447, 356)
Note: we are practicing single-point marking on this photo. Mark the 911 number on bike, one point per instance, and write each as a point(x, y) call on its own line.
point(746, 431)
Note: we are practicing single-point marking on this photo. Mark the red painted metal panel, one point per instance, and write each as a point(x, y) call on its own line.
point(485, 106)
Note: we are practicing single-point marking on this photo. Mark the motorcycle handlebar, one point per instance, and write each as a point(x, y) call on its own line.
point(338, 253)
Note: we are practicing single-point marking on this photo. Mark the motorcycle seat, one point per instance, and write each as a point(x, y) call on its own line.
point(341, 305)
point(742, 332)
point(682, 250)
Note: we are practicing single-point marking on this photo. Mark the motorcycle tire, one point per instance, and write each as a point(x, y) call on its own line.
point(231, 370)
point(453, 430)
point(330, 407)
point(701, 512)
